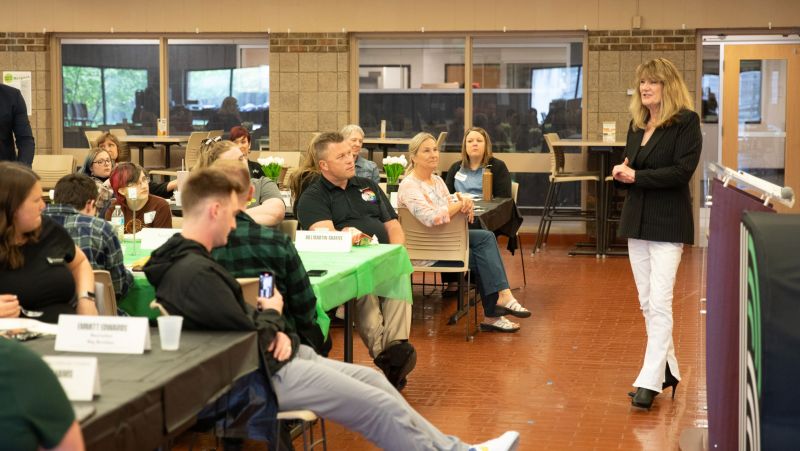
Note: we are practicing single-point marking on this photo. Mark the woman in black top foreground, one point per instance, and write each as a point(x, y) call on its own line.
point(42, 272)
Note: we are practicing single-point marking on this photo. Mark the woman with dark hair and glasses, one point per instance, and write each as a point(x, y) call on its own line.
point(151, 211)
point(42, 272)
point(98, 166)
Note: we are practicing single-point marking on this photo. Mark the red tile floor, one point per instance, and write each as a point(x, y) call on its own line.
point(562, 380)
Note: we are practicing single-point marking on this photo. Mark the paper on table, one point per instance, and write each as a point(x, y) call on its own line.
point(30, 324)
point(153, 238)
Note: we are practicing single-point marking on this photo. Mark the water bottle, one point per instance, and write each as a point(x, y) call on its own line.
point(118, 222)
point(487, 183)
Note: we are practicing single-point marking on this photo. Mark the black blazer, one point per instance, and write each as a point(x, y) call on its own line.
point(659, 206)
point(501, 178)
point(14, 126)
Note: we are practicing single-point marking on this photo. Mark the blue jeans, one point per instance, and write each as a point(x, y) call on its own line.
point(248, 410)
point(486, 263)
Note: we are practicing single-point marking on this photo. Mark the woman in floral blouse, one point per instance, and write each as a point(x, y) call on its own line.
point(426, 196)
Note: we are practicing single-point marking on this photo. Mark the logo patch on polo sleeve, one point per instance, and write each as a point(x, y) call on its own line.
point(369, 196)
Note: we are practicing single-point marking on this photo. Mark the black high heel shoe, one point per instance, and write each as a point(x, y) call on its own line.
point(670, 381)
point(643, 398)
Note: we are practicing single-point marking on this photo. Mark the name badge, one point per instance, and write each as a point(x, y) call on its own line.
point(461, 177)
point(79, 376)
point(286, 195)
point(103, 334)
point(323, 241)
point(149, 217)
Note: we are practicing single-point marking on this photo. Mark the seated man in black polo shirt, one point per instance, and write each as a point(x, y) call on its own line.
point(338, 200)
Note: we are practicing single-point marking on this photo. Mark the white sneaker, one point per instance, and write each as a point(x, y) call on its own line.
point(506, 442)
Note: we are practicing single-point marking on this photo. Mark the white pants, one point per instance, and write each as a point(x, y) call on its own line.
point(655, 265)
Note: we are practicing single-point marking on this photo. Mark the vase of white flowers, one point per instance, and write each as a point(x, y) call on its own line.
point(272, 167)
point(394, 168)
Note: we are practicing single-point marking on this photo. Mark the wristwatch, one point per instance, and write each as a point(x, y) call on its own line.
point(87, 295)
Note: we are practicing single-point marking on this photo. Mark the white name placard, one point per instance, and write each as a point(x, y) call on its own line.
point(323, 241)
point(79, 376)
point(103, 334)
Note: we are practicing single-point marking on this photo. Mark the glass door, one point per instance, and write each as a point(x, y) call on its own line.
point(761, 112)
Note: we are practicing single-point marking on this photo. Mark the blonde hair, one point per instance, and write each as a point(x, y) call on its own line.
point(309, 168)
point(212, 153)
point(674, 94)
point(487, 154)
point(414, 145)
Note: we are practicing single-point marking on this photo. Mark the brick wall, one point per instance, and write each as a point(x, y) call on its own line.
point(613, 57)
point(309, 87)
point(29, 52)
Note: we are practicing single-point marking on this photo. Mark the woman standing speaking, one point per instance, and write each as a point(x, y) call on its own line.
point(661, 154)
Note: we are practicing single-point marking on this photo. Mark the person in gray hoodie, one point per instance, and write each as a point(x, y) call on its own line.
point(190, 283)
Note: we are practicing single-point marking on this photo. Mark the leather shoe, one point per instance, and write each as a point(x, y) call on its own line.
point(643, 398)
point(396, 362)
point(669, 381)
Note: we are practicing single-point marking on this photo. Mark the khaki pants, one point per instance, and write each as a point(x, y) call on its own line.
point(381, 321)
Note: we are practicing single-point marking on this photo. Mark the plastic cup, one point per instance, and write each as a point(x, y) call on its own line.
point(182, 176)
point(169, 331)
point(177, 195)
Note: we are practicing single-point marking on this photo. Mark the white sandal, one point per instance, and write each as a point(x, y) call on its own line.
point(500, 325)
point(513, 308)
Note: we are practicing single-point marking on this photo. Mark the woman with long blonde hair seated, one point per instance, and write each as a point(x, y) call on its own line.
point(426, 196)
point(266, 207)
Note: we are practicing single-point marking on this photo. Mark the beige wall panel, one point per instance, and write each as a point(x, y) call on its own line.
point(169, 16)
point(361, 15)
point(615, 14)
point(563, 14)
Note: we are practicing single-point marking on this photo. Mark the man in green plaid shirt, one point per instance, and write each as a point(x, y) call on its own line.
point(253, 249)
point(75, 208)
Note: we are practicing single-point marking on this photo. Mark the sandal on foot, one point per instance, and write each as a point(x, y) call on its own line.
point(500, 325)
point(513, 308)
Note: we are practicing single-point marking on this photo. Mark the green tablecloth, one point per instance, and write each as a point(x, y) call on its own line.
point(383, 270)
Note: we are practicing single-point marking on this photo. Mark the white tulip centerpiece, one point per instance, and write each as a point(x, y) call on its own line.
point(272, 167)
point(394, 167)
